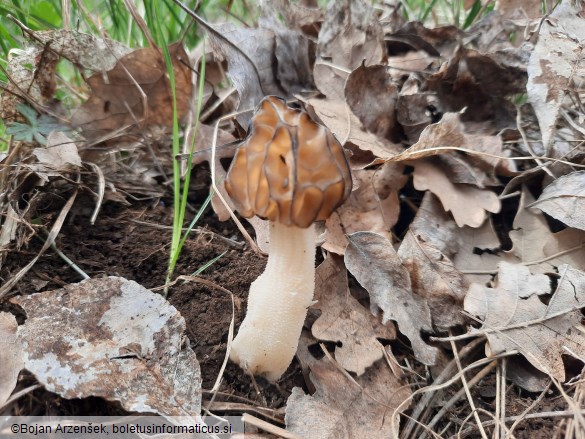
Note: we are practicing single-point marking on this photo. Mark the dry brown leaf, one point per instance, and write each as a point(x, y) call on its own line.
point(60, 154)
point(475, 169)
point(479, 84)
point(467, 203)
point(11, 356)
point(292, 51)
point(371, 94)
point(374, 206)
point(470, 249)
point(414, 36)
point(119, 96)
point(555, 62)
point(416, 109)
point(250, 57)
point(479, 252)
point(566, 247)
point(515, 318)
point(343, 319)
point(434, 277)
point(564, 199)
point(330, 80)
point(371, 259)
point(83, 50)
point(31, 73)
point(343, 407)
point(114, 339)
point(351, 34)
point(337, 116)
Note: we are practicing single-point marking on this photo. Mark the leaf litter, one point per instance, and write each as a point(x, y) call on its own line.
point(430, 247)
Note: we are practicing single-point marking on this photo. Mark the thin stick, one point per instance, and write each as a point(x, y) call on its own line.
point(527, 144)
point(503, 367)
point(447, 406)
point(268, 427)
point(468, 393)
point(214, 182)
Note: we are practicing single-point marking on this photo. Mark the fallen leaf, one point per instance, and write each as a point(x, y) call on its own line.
point(372, 95)
point(553, 65)
point(135, 94)
point(479, 84)
point(434, 277)
point(515, 318)
point(60, 154)
point(11, 356)
point(478, 169)
point(31, 73)
point(113, 339)
point(566, 247)
point(374, 206)
point(416, 109)
point(83, 50)
point(371, 259)
point(414, 36)
point(294, 68)
point(343, 407)
point(343, 319)
point(564, 199)
point(351, 35)
point(479, 253)
point(250, 57)
point(336, 115)
point(467, 203)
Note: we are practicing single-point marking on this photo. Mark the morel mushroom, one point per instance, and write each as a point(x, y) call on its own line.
point(293, 172)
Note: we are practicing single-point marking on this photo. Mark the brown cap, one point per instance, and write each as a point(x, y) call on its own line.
point(290, 169)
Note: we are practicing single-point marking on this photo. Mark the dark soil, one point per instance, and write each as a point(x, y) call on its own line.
point(133, 242)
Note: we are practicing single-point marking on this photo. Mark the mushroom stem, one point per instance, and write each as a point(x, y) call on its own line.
point(277, 305)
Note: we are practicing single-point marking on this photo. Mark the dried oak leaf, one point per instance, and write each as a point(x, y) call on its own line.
point(564, 199)
point(432, 273)
point(31, 73)
point(371, 259)
point(11, 356)
point(478, 169)
point(469, 249)
point(114, 339)
point(416, 109)
point(554, 64)
point(336, 115)
point(414, 36)
point(135, 94)
point(351, 35)
point(250, 54)
point(467, 203)
point(59, 155)
point(478, 83)
point(515, 318)
point(343, 319)
point(372, 95)
point(566, 247)
point(292, 52)
point(373, 206)
point(83, 50)
point(343, 407)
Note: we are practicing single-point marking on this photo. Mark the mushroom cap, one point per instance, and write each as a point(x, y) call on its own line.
point(290, 169)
